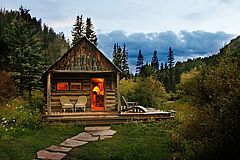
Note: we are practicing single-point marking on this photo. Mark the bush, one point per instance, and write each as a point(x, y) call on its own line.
point(148, 92)
point(214, 130)
point(37, 100)
point(7, 88)
point(16, 114)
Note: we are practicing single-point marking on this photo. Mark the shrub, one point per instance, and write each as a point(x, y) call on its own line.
point(214, 130)
point(16, 114)
point(148, 92)
point(7, 88)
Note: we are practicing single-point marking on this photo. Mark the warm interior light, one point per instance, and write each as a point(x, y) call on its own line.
point(96, 89)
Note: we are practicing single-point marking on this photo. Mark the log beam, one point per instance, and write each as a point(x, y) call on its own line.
point(49, 93)
point(118, 93)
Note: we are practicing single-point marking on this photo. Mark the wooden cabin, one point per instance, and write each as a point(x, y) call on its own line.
point(83, 71)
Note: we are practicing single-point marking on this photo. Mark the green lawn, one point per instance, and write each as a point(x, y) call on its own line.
point(132, 141)
point(23, 145)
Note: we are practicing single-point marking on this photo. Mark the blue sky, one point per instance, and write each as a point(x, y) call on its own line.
point(192, 27)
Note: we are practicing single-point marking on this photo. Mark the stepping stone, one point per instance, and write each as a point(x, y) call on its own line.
point(104, 133)
point(42, 154)
point(55, 148)
point(97, 128)
point(72, 143)
point(84, 136)
point(105, 137)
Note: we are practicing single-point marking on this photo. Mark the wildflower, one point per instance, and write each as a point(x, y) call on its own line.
point(6, 129)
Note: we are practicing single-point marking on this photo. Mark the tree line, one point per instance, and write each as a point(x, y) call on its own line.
point(164, 72)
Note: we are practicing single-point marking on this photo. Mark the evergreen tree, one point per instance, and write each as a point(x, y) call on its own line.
point(89, 32)
point(170, 58)
point(25, 59)
point(165, 66)
point(162, 67)
point(120, 58)
point(139, 64)
point(154, 62)
point(117, 56)
point(171, 71)
point(125, 67)
point(78, 30)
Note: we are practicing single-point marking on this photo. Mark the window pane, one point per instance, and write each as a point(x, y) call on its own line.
point(75, 86)
point(62, 86)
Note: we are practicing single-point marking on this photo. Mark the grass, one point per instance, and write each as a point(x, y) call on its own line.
point(133, 141)
point(24, 144)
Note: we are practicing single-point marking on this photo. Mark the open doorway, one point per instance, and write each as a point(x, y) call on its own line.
point(98, 94)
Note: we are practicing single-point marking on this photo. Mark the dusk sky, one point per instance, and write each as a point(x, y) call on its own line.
point(191, 27)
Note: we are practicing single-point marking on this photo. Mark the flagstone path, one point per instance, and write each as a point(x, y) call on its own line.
point(58, 152)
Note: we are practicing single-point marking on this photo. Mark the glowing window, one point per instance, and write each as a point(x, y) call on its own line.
point(75, 86)
point(62, 86)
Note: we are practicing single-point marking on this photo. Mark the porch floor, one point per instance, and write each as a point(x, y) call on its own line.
point(103, 117)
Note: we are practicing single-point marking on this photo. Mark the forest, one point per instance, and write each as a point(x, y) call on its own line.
point(205, 92)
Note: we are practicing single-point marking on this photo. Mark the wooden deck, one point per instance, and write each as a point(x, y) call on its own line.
point(104, 117)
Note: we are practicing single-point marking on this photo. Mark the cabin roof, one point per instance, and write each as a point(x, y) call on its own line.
point(80, 41)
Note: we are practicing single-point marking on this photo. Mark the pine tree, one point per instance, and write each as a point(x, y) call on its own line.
point(162, 67)
point(171, 71)
point(139, 65)
point(89, 32)
point(170, 58)
point(26, 58)
point(117, 57)
point(120, 58)
point(154, 62)
point(78, 30)
point(125, 67)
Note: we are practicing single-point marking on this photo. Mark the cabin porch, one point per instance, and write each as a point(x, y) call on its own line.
point(103, 117)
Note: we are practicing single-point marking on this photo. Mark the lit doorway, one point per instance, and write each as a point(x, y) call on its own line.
point(97, 94)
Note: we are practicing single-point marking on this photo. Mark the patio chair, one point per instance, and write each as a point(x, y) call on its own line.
point(132, 106)
point(81, 103)
point(135, 108)
point(66, 104)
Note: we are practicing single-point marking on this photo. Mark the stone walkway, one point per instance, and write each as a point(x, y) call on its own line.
point(58, 152)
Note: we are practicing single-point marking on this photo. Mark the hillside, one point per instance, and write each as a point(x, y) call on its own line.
point(231, 50)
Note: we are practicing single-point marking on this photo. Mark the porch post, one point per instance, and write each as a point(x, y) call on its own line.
point(49, 93)
point(118, 93)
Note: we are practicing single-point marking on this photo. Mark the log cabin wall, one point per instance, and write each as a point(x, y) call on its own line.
point(85, 80)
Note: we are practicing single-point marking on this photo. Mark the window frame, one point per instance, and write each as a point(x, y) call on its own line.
point(75, 83)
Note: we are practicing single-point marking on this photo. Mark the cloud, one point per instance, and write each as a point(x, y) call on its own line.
point(185, 44)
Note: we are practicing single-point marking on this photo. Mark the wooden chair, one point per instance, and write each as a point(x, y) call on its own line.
point(81, 103)
point(132, 107)
point(66, 104)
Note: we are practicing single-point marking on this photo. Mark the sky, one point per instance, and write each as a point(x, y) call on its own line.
point(193, 28)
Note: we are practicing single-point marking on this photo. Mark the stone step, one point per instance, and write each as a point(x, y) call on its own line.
point(43, 154)
point(55, 148)
point(72, 143)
